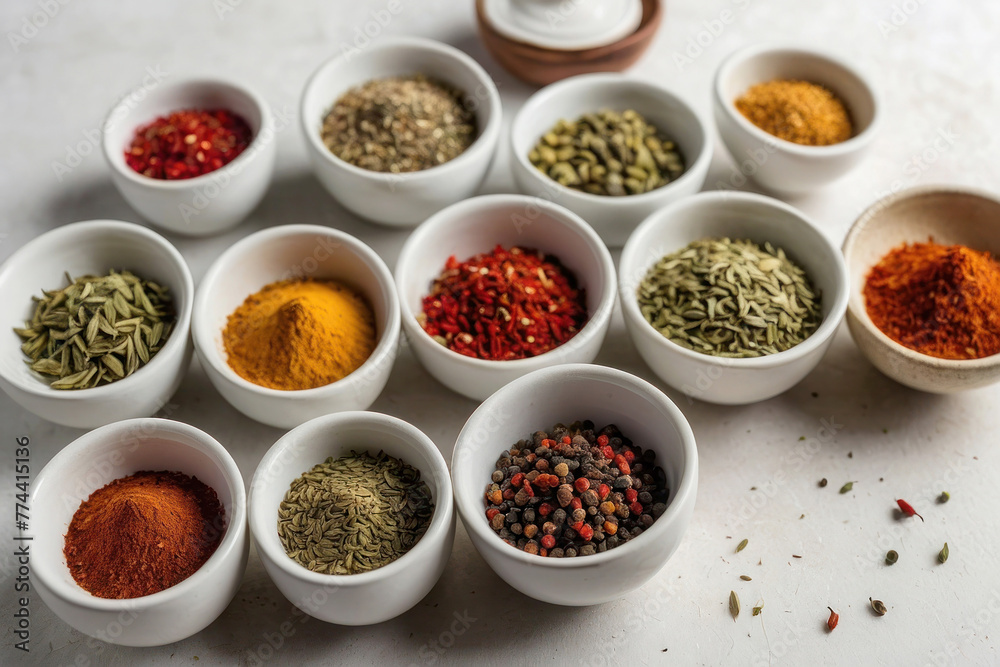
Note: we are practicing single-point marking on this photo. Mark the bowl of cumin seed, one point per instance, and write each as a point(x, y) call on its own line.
point(402, 129)
point(308, 522)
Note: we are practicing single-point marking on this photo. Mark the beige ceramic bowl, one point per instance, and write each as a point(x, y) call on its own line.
point(950, 215)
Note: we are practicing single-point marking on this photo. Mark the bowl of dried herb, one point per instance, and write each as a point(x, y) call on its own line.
point(731, 298)
point(925, 287)
point(402, 129)
point(96, 324)
point(352, 516)
point(793, 118)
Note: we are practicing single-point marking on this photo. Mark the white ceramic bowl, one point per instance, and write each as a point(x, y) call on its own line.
point(476, 226)
point(783, 166)
point(93, 247)
point(402, 200)
point(951, 215)
point(282, 253)
point(368, 597)
point(614, 218)
point(206, 204)
point(100, 457)
point(736, 215)
point(566, 394)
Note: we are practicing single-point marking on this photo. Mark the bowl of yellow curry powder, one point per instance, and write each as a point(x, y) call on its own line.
point(295, 322)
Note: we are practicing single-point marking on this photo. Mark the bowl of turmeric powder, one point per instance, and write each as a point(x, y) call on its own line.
point(295, 322)
point(793, 118)
point(924, 306)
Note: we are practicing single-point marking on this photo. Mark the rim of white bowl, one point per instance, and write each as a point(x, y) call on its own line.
point(827, 328)
point(75, 594)
point(605, 80)
point(204, 340)
point(867, 218)
point(440, 221)
point(472, 514)
point(182, 324)
point(485, 141)
point(112, 156)
point(853, 143)
point(367, 421)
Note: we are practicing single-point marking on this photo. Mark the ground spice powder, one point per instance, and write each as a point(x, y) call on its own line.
point(142, 534)
point(300, 334)
point(940, 300)
point(797, 111)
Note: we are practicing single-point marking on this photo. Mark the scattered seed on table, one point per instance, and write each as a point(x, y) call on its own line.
point(891, 557)
point(742, 545)
point(847, 487)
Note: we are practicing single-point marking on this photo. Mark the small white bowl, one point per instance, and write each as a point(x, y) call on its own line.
point(783, 166)
point(94, 247)
point(402, 200)
point(282, 253)
point(951, 215)
point(100, 457)
point(565, 394)
point(207, 204)
point(736, 215)
point(614, 218)
point(476, 226)
point(368, 597)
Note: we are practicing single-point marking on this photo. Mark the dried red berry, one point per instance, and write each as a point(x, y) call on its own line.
point(545, 509)
point(576, 503)
point(629, 455)
point(622, 464)
point(603, 491)
point(526, 487)
point(492, 512)
point(585, 532)
point(607, 452)
point(517, 479)
point(631, 495)
point(602, 440)
point(548, 541)
point(635, 508)
point(581, 484)
point(508, 494)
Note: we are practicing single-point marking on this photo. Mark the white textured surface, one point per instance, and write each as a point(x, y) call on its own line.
point(938, 76)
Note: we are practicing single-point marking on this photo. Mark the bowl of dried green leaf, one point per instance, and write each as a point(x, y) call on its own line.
point(96, 323)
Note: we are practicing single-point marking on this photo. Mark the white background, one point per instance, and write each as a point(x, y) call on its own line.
point(937, 67)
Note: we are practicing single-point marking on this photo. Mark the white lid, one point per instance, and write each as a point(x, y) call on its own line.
point(565, 24)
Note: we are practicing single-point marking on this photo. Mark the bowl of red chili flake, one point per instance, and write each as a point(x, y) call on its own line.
point(194, 157)
point(925, 298)
point(498, 286)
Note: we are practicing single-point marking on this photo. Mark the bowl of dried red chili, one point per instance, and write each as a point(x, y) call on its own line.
point(195, 156)
point(925, 298)
point(563, 395)
point(174, 513)
point(498, 286)
point(380, 83)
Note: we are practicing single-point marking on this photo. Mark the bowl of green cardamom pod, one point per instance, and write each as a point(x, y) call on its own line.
point(609, 148)
point(732, 298)
point(96, 328)
point(352, 515)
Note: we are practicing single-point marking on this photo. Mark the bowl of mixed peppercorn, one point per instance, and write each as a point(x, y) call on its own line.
point(576, 483)
point(194, 157)
point(924, 306)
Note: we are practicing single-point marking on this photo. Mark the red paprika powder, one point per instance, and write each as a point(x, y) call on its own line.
point(505, 304)
point(189, 143)
point(943, 301)
point(142, 534)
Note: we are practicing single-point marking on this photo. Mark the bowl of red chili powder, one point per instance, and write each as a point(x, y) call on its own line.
point(139, 532)
point(195, 156)
point(925, 297)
